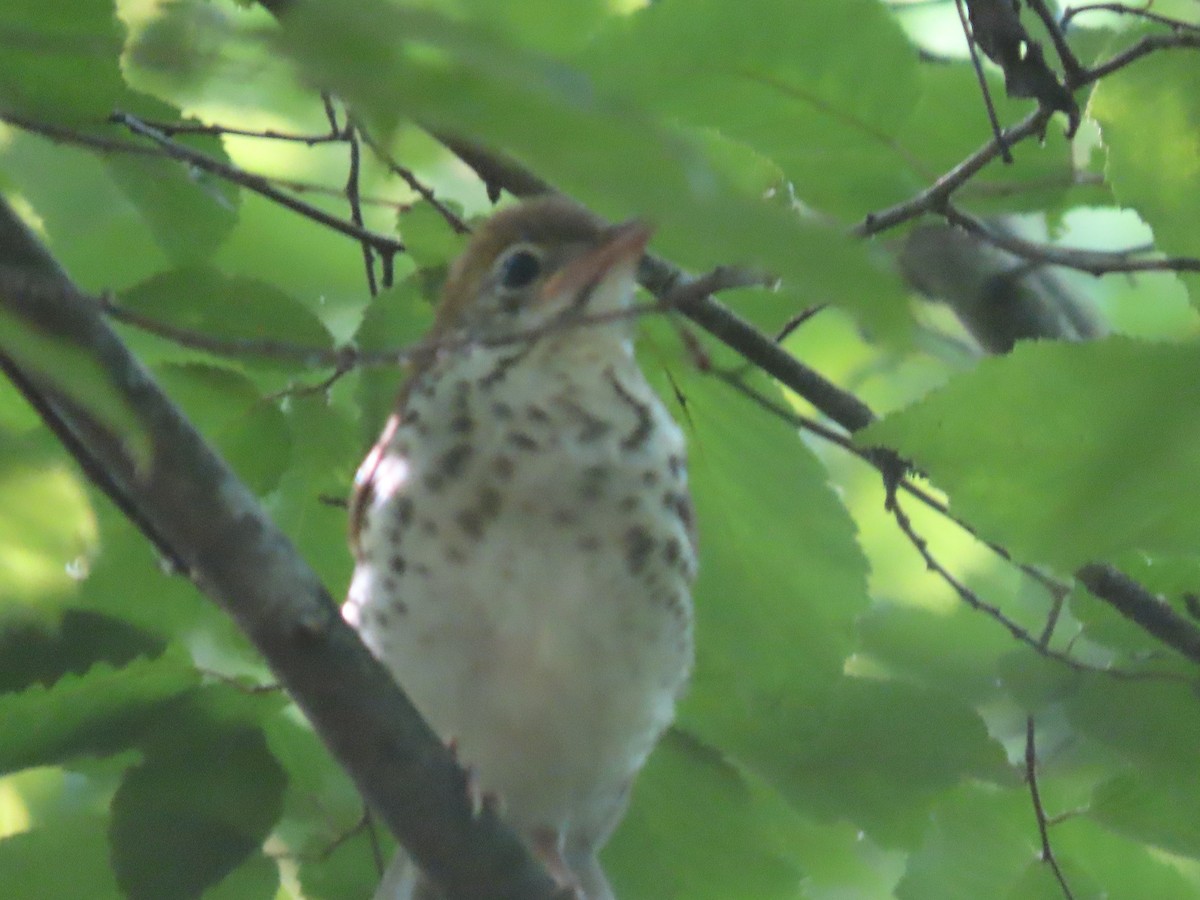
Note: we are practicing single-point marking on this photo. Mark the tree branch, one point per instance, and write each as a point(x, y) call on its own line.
point(1140, 606)
point(191, 505)
point(1094, 262)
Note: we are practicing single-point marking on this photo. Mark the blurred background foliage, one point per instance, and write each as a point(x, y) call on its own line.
point(854, 729)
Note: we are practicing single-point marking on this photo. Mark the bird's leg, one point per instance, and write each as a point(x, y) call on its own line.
point(479, 799)
point(546, 844)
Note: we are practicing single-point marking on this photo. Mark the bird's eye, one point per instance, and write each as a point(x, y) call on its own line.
point(519, 268)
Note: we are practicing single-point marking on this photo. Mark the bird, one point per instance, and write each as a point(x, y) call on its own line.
point(524, 536)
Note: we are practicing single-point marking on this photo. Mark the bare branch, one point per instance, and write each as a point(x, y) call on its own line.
point(406, 175)
point(1039, 811)
point(1005, 153)
point(256, 183)
point(1148, 611)
point(190, 503)
point(934, 197)
point(1142, 12)
point(1094, 262)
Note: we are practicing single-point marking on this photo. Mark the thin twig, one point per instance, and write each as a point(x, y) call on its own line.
point(1148, 44)
point(1039, 811)
point(171, 129)
point(426, 193)
point(934, 197)
point(1072, 68)
point(1001, 145)
point(1056, 589)
point(256, 183)
point(1094, 262)
point(353, 197)
point(1142, 12)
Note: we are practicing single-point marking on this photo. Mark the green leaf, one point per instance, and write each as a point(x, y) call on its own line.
point(47, 529)
point(73, 371)
point(955, 651)
point(782, 578)
point(68, 859)
point(1127, 870)
point(246, 313)
point(1150, 116)
point(603, 149)
point(59, 63)
point(248, 429)
point(188, 212)
point(201, 803)
point(98, 712)
point(427, 236)
point(978, 843)
point(774, 71)
point(1061, 452)
point(399, 317)
point(37, 649)
point(1147, 810)
point(90, 226)
point(873, 752)
point(664, 849)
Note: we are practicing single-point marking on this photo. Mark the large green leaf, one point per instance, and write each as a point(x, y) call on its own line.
point(1150, 116)
point(201, 802)
point(1061, 452)
point(664, 849)
point(602, 148)
point(776, 77)
point(248, 316)
point(75, 373)
point(250, 430)
point(97, 712)
point(67, 859)
point(59, 62)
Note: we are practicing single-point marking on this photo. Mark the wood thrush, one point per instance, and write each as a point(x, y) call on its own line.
point(523, 535)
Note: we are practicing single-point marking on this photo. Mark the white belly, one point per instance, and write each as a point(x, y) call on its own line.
point(546, 628)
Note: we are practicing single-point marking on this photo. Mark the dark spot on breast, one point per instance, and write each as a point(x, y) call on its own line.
point(592, 482)
point(638, 547)
point(676, 464)
point(671, 551)
point(503, 467)
point(397, 564)
point(430, 527)
point(398, 606)
point(681, 505)
point(650, 477)
point(589, 543)
point(471, 522)
point(645, 422)
point(564, 517)
point(489, 503)
point(404, 511)
point(591, 428)
point(522, 441)
point(501, 410)
point(536, 413)
point(628, 504)
point(461, 424)
point(454, 460)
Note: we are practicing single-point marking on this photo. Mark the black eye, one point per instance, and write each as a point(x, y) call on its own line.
point(519, 269)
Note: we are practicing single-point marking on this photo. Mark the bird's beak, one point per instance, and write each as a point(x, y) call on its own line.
point(603, 277)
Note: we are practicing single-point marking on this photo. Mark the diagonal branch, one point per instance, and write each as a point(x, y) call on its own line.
point(190, 504)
